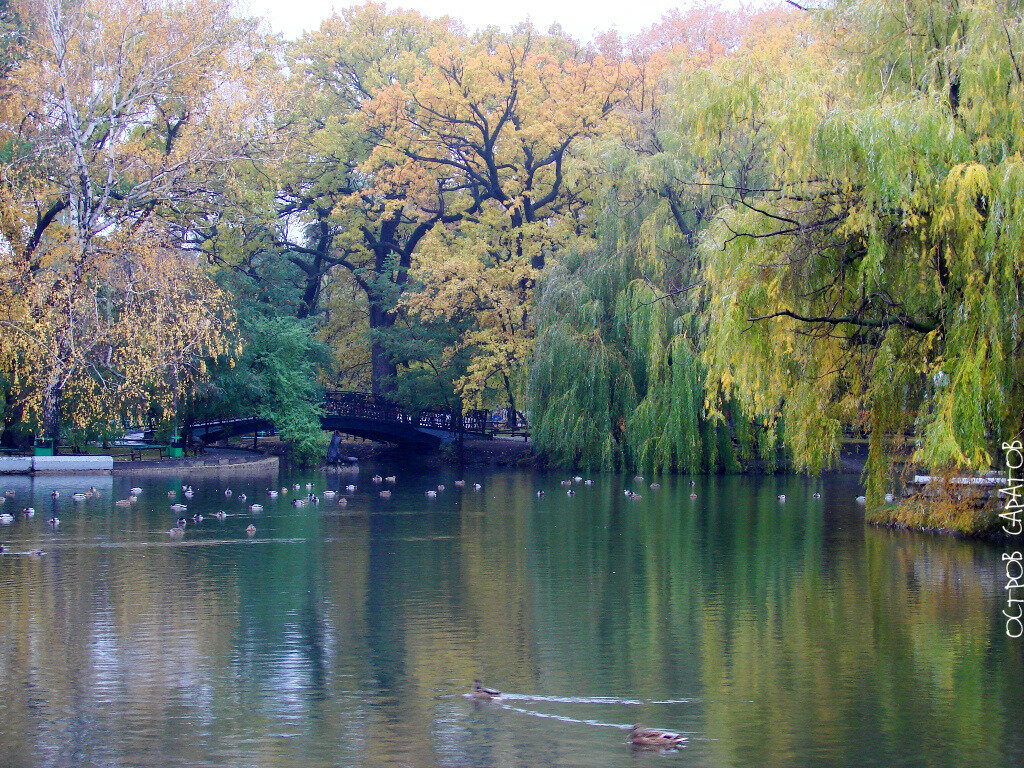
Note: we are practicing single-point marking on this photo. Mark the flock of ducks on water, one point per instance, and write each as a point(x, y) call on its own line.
point(639, 736)
point(187, 492)
point(631, 494)
point(309, 499)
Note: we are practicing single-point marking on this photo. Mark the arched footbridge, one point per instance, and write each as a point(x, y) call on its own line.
point(375, 418)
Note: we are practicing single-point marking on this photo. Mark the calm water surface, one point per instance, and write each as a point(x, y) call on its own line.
point(772, 634)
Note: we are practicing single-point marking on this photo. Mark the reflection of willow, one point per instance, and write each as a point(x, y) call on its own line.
point(653, 571)
point(863, 653)
point(790, 643)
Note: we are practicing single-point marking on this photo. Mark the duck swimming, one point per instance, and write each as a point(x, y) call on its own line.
point(135, 491)
point(654, 737)
point(487, 694)
point(251, 530)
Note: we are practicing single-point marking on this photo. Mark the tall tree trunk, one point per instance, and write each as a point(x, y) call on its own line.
point(512, 420)
point(311, 291)
point(51, 412)
point(383, 369)
point(13, 413)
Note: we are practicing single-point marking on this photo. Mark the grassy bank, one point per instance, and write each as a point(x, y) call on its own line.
point(960, 517)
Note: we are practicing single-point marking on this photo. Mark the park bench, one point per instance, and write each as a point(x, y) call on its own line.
point(138, 451)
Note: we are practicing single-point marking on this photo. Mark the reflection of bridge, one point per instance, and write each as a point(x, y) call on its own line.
point(375, 418)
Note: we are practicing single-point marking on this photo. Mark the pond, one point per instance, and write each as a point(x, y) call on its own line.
point(767, 632)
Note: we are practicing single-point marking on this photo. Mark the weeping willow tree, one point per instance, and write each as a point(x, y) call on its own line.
point(876, 277)
point(619, 377)
point(617, 380)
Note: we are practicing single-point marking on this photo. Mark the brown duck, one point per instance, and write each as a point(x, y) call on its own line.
point(479, 692)
point(639, 736)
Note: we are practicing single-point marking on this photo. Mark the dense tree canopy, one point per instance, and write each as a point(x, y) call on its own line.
point(115, 119)
point(873, 276)
point(725, 243)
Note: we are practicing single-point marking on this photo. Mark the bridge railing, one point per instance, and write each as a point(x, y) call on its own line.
point(372, 407)
point(364, 405)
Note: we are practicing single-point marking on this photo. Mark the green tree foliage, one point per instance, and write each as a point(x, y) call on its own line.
point(276, 378)
point(876, 276)
point(751, 229)
point(278, 375)
point(617, 380)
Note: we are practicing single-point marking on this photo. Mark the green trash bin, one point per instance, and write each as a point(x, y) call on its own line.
point(175, 450)
point(43, 448)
